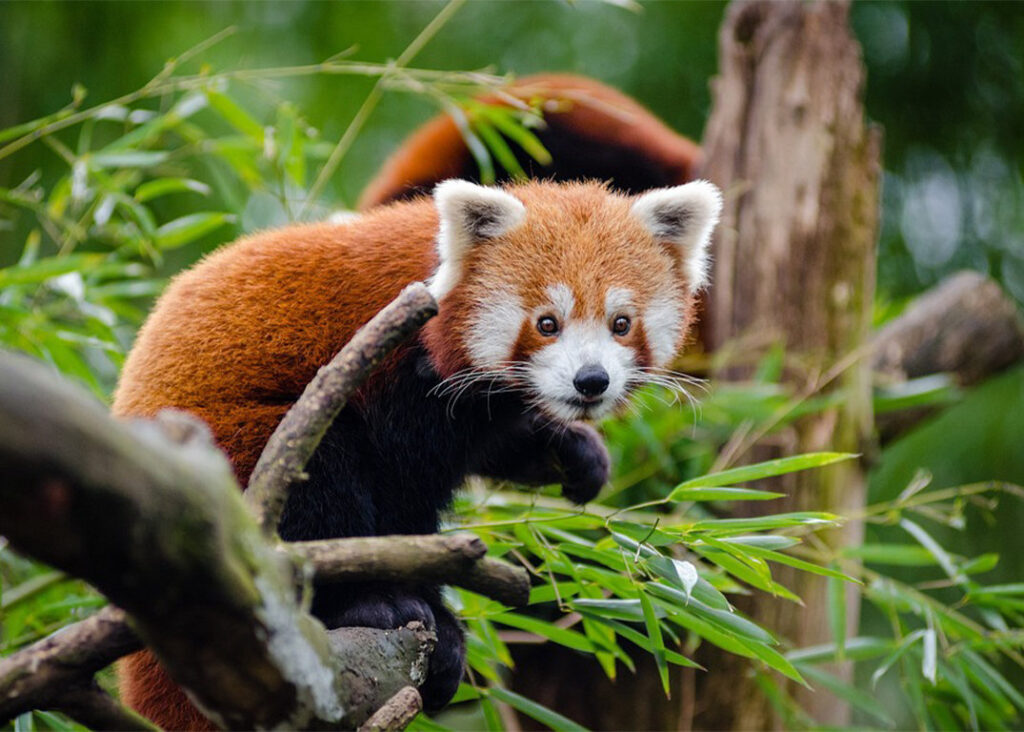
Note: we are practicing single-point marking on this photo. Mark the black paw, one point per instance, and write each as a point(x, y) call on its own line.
point(384, 609)
point(584, 461)
point(446, 662)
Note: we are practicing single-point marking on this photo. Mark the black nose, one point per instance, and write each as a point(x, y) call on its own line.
point(591, 380)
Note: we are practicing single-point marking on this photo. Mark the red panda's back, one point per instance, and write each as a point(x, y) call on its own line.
point(235, 339)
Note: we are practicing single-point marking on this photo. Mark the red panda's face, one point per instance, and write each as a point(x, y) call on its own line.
point(569, 294)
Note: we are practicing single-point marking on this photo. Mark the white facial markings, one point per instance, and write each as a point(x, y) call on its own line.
point(562, 301)
point(618, 301)
point(554, 367)
point(494, 328)
point(663, 326)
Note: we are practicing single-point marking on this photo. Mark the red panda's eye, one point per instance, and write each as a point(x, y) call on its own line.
point(547, 326)
point(621, 326)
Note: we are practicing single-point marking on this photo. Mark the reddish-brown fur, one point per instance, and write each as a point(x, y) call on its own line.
point(597, 116)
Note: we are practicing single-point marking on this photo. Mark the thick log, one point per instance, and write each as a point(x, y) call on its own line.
point(794, 264)
point(160, 528)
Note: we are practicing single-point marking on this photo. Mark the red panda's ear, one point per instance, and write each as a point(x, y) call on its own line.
point(469, 214)
point(685, 216)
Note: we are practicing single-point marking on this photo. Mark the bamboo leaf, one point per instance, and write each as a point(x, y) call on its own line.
point(499, 148)
point(532, 709)
point(657, 642)
point(561, 636)
point(127, 159)
point(46, 268)
point(767, 469)
point(762, 541)
point(895, 655)
point(699, 493)
point(934, 548)
point(860, 648)
point(778, 521)
point(234, 115)
point(164, 186)
point(854, 697)
point(506, 121)
point(188, 228)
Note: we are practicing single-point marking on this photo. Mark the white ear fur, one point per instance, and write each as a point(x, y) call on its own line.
point(684, 215)
point(469, 214)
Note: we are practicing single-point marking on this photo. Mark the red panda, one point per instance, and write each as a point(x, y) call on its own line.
point(555, 301)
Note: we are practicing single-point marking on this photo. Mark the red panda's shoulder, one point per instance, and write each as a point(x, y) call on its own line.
point(235, 339)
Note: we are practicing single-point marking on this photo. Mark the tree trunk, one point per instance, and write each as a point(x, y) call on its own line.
point(794, 264)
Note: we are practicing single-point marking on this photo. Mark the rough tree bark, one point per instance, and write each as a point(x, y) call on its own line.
point(794, 264)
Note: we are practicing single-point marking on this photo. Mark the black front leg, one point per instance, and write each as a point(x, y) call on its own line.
point(538, 452)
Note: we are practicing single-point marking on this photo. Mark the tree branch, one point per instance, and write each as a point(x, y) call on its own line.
point(38, 676)
point(297, 436)
point(965, 325)
point(396, 713)
point(452, 560)
point(28, 677)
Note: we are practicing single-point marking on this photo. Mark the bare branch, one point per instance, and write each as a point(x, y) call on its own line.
point(447, 559)
point(297, 436)
point(66, 658)
point(397, 713)
point(38, 677)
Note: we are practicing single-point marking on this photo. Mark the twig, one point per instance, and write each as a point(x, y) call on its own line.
point(28, 132)
point(372, 99)
point(389, 557)
point(29, 677)
point(449, 559)
point(297, 436)
point(397, 713)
